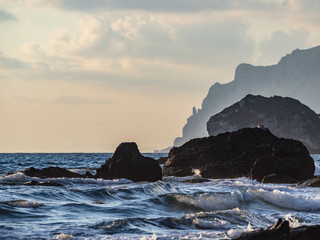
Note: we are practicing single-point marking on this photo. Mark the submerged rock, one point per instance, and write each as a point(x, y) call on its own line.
point(283, 116)
point(51, 172)
point(127, 162)
point(46, 183)
point(247, 152)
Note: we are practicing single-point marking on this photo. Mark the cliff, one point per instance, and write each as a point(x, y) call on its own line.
point(283, 116)
point(296, 75)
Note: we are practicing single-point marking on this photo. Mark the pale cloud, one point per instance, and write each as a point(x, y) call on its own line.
point(11, 63)
point(280, 43)
point(64, 99)
point(6, 16)
point(188, 6)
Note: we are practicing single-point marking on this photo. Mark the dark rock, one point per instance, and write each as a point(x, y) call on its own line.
point(127, 162)
point(306, 233)
point(51, 172)
point(46, 183)
point(282, 231)
point(162, 160)
point(283, 116)
point(279, 231)
point(231, 155)
point(88, 175)
point(313, 182)
point(196, 180)
point(278, 178)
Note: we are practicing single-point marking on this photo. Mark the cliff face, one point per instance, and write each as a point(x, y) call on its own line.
point(296, 75)
point(283, 116)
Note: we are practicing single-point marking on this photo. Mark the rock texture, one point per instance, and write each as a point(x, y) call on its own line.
point(247, 152)
point(283, 116)
point(51, 172)
point(282, 231)
point(313, 182)
point(296, 75)
point(127, 162)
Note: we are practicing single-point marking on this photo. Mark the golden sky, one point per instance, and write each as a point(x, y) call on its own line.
point(84, 76)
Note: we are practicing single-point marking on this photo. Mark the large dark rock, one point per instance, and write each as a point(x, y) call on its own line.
point(231, 155)
point(283, 116)
point(282, 231)
point(127, 162)
point(51, 172)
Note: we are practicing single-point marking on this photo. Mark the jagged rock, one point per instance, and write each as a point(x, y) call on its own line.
point(196, 180)
point(279, 231)
point(127, 162)
point(162, 160)
point(296, 75)
point(313, 182)
point(283, 116)
point(46, 183)
point(231, 155)
point(51, 172)
point(282, 231)
point(278, 178)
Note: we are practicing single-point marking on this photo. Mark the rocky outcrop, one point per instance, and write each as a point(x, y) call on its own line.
point(247, 152)
point(296, 75)
point(313, 182)
point(127, 162)
point(282, 231)
point(51, 172)
point(45, 183)
point(283, 116)
point(278, 178)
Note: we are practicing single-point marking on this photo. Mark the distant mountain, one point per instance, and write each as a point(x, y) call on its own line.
point(283, 116)
point(296, 75)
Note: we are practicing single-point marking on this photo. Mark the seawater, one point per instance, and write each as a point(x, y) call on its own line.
point(121, 209)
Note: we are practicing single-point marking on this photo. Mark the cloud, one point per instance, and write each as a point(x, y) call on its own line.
point(155, 5)
point(113, 40)
point(6, 16)
point(63, 99)
point(280, 43)
point(8, 62)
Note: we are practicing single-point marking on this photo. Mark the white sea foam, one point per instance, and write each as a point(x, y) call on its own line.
point(197, 172)
point(233, 233)
point(293, 221)
point(64, 236)
point(98, 181)
point(16, 177)
point(211, 202)
point(290, 200)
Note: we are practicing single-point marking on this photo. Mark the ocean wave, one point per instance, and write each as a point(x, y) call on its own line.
point(209, 201)
point(289, 200)
point(22, 204)
point(14, 178)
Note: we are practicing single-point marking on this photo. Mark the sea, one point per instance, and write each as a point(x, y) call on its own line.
point(175, 208)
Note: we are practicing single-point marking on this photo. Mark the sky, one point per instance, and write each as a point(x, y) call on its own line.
point(84, 76)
